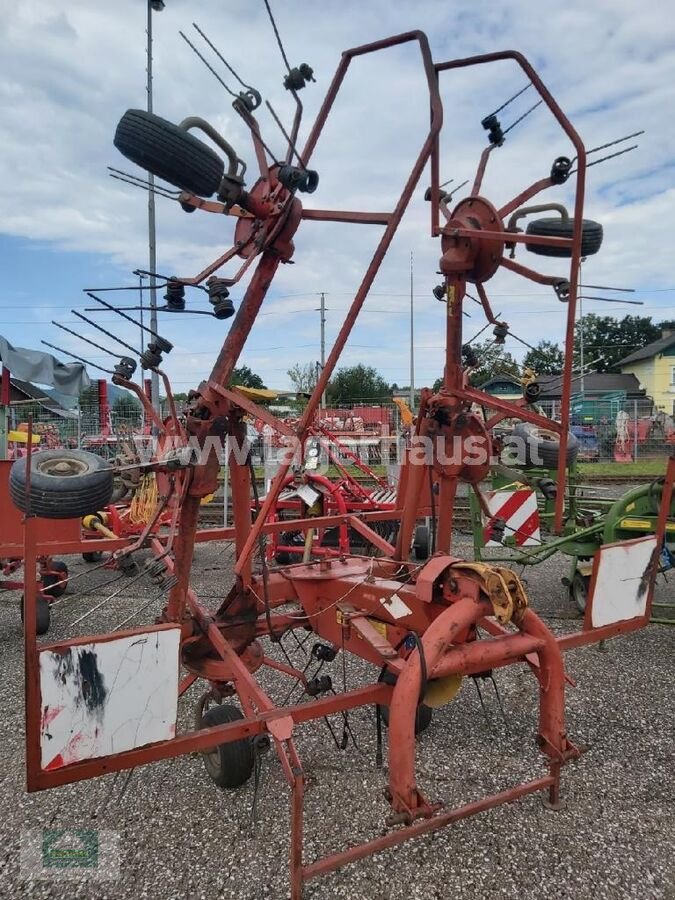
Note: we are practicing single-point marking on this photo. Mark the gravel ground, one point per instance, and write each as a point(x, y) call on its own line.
point(180, 836)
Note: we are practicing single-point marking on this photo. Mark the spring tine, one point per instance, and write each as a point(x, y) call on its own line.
point(126, 287)
point(78, 358)
point(140, 609)
point(482, 703)
point(127, 582)
point(152, 190)
point(199, 287)
point(524, 116)
point(222, 58)
point(478, 333)
point(603, 287)
point(135, 180)
point(285, 134)
point(458, 188)
point(124, 316)
point(510, 100)
point(86, 340)
point(108, 333)
point(499, 701)
point(612, 143)
point(207, 64)
point(611, 156)
point(277, 35)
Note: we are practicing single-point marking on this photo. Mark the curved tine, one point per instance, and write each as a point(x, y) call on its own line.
point(291, 143)
point(207, 64)
point(222, 58)
point(297, 119)
point(78, 358)
point(141, 182)
point(145, 187)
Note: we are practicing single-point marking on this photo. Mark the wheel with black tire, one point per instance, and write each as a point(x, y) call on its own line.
point(591, 236)
point(421, 542)
point(169, 152)
point(229, 765)
point(579, 590)
point(64, 484)
point(43, 615)
point(93, 557)
point(536, 447)
point(423, 717)
point(55, 583)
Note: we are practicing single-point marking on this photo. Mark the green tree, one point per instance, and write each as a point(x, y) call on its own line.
point(127, 411)
point(607, 340)
point(303, 377)
point(352, 383)
point(88, 409)
point(244, 377)
point(494, 360)
point(546, 359)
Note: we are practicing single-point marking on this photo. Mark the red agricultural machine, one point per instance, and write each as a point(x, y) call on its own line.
point(107, 702)
point(308, 492)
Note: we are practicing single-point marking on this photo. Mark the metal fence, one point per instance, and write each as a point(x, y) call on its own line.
point(606, 429)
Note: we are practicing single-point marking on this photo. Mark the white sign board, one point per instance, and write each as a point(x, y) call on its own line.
point(103, 697)
point(622, 581)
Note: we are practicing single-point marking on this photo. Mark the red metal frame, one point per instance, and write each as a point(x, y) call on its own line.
point(342, 600)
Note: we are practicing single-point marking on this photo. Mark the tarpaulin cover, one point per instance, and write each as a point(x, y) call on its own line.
point(43, 368)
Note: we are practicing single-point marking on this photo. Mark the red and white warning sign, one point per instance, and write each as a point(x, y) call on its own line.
point(520, 512)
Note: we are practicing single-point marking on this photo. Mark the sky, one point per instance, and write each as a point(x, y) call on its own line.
point(70, 70)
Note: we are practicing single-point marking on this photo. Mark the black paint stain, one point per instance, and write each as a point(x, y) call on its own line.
point(92, 688)
point(64, 664)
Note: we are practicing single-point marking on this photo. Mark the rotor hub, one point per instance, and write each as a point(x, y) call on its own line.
point(472, 257)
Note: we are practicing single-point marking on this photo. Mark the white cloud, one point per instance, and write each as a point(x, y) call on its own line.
point(68, 75)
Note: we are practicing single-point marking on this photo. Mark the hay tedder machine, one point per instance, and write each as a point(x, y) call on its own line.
point(107, 702)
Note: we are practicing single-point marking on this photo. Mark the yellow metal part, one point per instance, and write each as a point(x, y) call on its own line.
point(442, 690)
point(144, 502)
point(256, 393)
point(407, 417)
point(96, 522)
point(503, 587)
point(21, 437)
point(528, 376)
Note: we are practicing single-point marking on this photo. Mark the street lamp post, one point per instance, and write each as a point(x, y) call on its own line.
point(153, 6)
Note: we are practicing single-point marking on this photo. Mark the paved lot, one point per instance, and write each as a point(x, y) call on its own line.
point(180, 836)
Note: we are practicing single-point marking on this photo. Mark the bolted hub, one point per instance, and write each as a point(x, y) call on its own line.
point(474, 258)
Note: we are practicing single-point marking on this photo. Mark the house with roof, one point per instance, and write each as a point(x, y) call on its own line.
point(597, 395)
point(23, 394)
point(654, 367)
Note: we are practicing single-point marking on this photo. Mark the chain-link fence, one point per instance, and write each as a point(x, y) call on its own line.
point(617, 429)
point(606, 429)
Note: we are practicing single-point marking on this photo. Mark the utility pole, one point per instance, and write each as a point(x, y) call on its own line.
point(412, 336)
point(322, 311)
point(156, 6)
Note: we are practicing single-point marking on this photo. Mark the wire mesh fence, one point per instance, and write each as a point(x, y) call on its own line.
point(611, 429)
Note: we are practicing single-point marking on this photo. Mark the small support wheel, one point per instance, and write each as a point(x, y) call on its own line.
point(43, 614)
point(579, 590)
point(422, 718)
point(55, 583)
point(64, 484)
point(93, 557)
point(230, 765)
point(591, 236)
point(421, 542)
